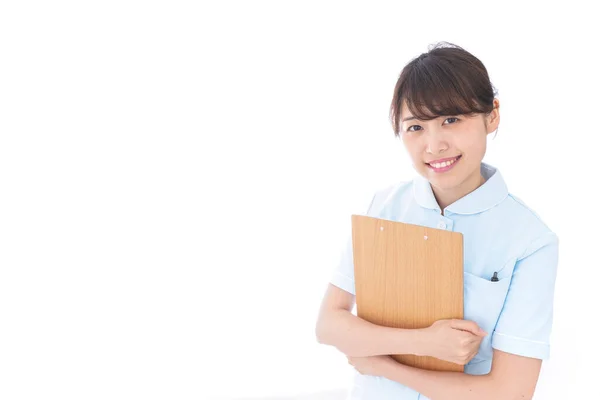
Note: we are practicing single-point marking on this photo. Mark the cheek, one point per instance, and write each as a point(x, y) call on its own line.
point(474, 145)
point(412, 151)
point(411, 145)
point(481, 145)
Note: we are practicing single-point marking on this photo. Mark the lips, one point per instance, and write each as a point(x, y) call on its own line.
point(443, 165)
point(441, 160)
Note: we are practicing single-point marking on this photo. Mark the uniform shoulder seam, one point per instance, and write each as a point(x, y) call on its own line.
point(532, 212)
point(383, 193)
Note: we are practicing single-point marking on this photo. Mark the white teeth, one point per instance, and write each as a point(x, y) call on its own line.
point(443, 164)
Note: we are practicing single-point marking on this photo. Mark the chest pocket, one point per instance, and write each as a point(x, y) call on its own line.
point(483, 301)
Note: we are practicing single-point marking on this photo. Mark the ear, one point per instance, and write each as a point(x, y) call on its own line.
point(493, 118)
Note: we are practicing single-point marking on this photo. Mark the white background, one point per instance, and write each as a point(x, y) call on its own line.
point(176, 181)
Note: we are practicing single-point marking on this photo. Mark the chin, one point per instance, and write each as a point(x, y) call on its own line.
point(442, 181)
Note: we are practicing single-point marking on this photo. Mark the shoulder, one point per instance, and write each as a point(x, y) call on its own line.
point(384, 194)
point(529, 227)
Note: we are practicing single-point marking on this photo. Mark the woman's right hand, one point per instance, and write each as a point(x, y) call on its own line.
point(454, 340)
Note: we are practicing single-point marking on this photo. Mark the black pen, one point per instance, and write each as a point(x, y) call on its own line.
point(495, 277)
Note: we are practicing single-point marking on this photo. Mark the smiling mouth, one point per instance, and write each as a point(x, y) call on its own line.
point(445, 165)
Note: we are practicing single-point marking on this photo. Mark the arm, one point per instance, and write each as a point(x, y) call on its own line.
point(511, 377)
point(353, 336)
point(520, 340)
point(451, 340)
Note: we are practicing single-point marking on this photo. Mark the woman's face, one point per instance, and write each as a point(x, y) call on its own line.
point(448, 150)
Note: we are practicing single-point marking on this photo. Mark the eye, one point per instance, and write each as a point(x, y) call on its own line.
point(414, 130)
point(452, 119)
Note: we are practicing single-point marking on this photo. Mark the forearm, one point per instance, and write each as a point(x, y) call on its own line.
point(438, 385)
point(357, 337)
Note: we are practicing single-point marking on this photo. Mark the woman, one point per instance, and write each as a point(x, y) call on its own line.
point(444, 107)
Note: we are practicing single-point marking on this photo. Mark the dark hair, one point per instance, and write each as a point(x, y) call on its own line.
point(447, 80)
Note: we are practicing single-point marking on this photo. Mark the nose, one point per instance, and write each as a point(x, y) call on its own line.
point(436, 142)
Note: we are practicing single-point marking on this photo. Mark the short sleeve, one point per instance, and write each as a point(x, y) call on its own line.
point(343, 275)
point(525, 322)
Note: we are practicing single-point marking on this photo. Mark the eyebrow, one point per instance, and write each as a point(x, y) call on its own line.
point(408, 118)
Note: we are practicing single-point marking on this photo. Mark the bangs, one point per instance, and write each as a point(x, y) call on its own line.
point(444, 82)
point(433, 91)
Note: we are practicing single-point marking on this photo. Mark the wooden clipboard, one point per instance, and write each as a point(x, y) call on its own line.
point(407, 276)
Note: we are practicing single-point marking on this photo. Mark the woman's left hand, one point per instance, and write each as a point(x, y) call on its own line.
point(373, 365)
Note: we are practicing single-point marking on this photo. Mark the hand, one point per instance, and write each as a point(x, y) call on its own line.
point(454, 340)
point(373, 365)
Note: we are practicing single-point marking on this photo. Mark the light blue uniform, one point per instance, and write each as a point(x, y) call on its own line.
point(500, 234)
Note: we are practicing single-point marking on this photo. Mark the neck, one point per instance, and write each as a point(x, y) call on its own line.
point(445, 197)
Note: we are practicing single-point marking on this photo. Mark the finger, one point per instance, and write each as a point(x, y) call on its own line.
point(469, 326)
